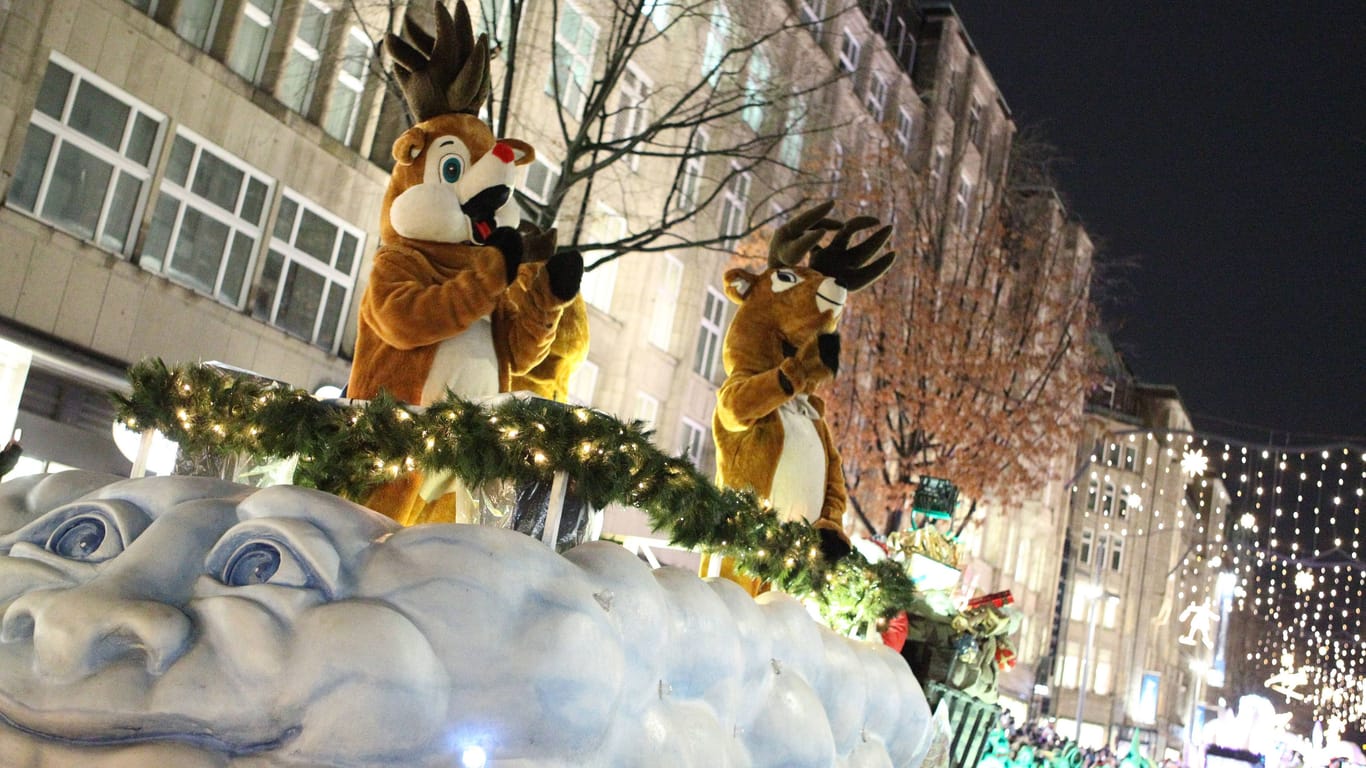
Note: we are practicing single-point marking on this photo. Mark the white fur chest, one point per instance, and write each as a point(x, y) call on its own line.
point(466, 363)
point(799, 479)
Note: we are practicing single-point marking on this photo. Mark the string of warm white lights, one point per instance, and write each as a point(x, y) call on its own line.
point(1284, 523)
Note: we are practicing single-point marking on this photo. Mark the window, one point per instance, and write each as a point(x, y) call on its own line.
point(583, 383)
point(599, 284)
point(734, 203)
point(660, 12)
point(836, 167)
point(632, 116)
point(849, 52)
point(1079, 605)
point(709, 337)
point(1107, 501)
point(937, 167)
point(252, 44)
point(692, 171)
point(904, 126)
point(1102, 547)
point(690, 446)
point(541, 179)
point(310, 272)
point(340, 120)
point(1022, 562)
point(301, 66)
point(962, 204)
point(975, 122)
point(1130, 458)
point(495, 16)
point(877, 97)
point(1111, 612)
point(1092, 494)
point(1084, 551)
point(790, 149)
point(87, 157)
point(604, 226)
point(1104, 671)
point(1071, 664)
point(1124, 502)
point(756, 82)
point(1112, 455)
point(195, 21)
point(666, 303)
point(716, 43)
point(812, 13)
point(1116, 553)
point(647, 410)
point(574, 40)
point(206, 228)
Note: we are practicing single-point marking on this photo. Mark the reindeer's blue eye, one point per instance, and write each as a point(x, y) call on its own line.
point(451, 169)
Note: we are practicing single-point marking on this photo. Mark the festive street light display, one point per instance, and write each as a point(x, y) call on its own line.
point(1284, 526)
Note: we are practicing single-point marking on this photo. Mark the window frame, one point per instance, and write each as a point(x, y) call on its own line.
point(962, 203)
point(757, 76)
point(812, 14)
point(647, 410)
point(186, 197)
point(905, 128)
point(690, 181)
point(710, 334)
point(585, 377)
point(552, 175)
point(876, 98)
point(298, 47)
point(734, 205)
point(294, 255)
point(1086, 547)
point(268, 22)
point(572, 95)
point(665, 310)
point(63, 133)
point(179, 25)
point(632, 117)
point(975, 122)
point(693, 433)
point(851, 50)
point(351, 84)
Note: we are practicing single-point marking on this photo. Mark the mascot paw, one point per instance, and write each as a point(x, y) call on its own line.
point(833, 546)
point(829, 346)
point(566, 272)
point(508, 241)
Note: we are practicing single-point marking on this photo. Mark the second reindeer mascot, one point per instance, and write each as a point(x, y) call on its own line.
point(769, 426)
point(437, 313)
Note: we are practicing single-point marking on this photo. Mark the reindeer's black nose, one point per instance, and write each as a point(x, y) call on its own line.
point(482, 206)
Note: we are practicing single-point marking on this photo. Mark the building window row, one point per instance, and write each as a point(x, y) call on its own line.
point(87, 165)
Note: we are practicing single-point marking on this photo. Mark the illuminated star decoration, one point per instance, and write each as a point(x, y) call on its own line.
point(1304, 581)
point(1194, 463)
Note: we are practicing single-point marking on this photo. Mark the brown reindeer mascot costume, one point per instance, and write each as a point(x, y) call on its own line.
point(769, 426)
point(438, 313)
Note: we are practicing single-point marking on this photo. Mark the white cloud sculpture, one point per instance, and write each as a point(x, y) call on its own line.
point(193, 622)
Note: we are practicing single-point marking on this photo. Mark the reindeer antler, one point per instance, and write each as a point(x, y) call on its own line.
point(848, 264)
point(442, 74)
point(792, 240)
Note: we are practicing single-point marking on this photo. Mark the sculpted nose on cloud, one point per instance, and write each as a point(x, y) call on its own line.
point(78, 632)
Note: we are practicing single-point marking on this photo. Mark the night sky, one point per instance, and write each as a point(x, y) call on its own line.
point(1221, 148)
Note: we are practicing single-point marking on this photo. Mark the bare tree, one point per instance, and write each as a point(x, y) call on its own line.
point(966, 362)
point(737, 102)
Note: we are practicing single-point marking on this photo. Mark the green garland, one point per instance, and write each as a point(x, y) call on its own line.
point(351, 450)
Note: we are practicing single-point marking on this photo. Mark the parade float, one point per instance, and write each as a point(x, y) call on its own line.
point(409, 575)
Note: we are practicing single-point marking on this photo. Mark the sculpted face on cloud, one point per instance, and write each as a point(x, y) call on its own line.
point(202, 616)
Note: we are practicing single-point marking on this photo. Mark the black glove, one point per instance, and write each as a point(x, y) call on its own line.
point(508, 241)
point(829, 346)
point(833, 546)
point(566, 273)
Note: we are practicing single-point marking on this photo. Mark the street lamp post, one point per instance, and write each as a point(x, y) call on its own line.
point(1092, 594)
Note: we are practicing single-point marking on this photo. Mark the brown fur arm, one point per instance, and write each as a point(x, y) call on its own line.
point(409, 305)
point(744, 399)
point(528, 314)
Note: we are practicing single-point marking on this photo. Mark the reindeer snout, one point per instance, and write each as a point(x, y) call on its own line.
point(77, 632)
point(831, 296)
